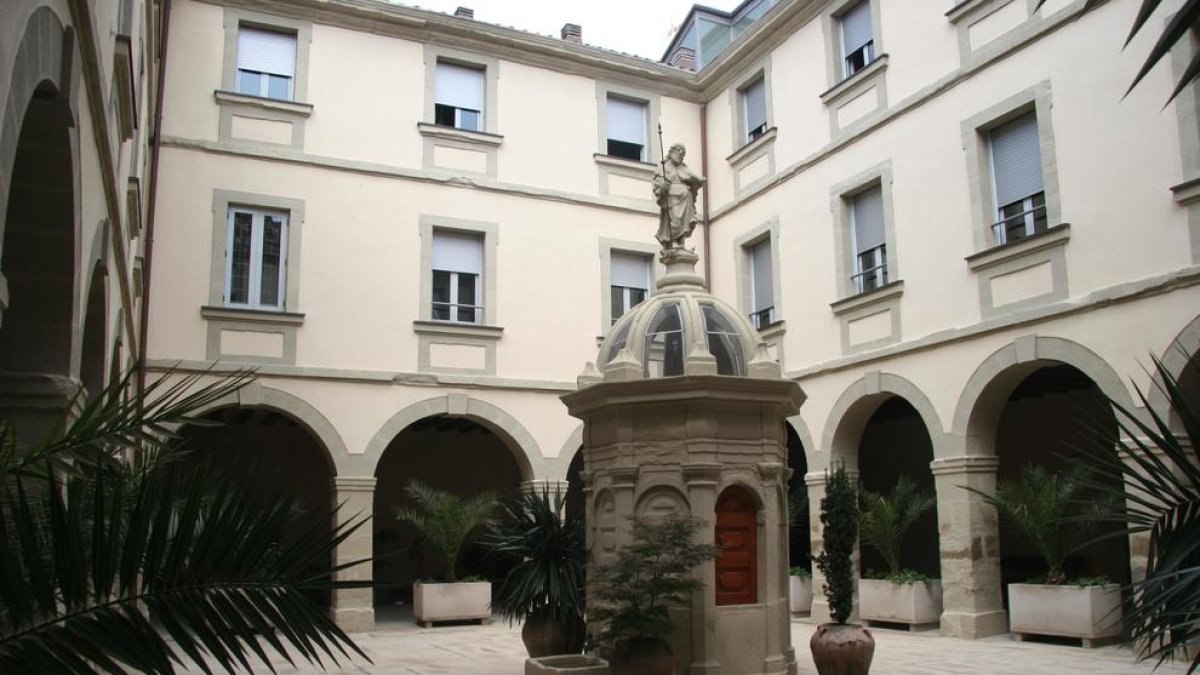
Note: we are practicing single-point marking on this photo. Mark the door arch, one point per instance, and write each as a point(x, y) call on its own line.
point(737, 543)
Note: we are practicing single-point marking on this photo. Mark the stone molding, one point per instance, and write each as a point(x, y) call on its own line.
point(964, 464)
point(353, 484)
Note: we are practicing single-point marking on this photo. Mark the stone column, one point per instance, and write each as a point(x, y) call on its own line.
point(816, 492)
point(969, 539)
point(774, 551)
point(702, 479)
point(354, 499)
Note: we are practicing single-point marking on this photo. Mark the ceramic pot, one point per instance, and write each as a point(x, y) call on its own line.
point(642, 656)
point(546, 636)
point(842, 649)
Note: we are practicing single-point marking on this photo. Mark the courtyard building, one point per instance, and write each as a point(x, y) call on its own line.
point(946, 221)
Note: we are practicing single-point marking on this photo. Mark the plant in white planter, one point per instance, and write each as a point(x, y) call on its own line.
point(1039, 504)
point(800, 585)
point(445, 521)
point(902, 596)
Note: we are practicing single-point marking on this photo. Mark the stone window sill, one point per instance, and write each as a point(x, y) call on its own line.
point(1052, 237)
point(212, 312)
point(751, 148)
point(457, 329)
point(884, 293)
point(856, 83)
point(622, 163)
point(967, 9)
point(773, 330)
point(455, 134)
point(1187, 192)
point(295, 108)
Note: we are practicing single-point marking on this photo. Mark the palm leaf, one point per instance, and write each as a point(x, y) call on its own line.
point(884, 519)
point(445, 520)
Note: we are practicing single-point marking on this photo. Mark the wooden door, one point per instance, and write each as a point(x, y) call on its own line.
point(737, 541)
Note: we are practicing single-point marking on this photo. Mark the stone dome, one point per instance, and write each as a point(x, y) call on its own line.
point(680, 330)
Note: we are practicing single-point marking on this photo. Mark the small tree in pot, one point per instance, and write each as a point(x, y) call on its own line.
point(840, 648)
point(634, 593)
point(545, 588)
point(901, 595)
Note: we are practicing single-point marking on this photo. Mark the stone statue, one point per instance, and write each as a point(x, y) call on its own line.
point(675, 188)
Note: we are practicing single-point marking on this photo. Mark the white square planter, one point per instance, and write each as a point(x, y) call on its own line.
point(916, 604)
point(567, 664)
point(460, 601)
point(1091, 613)
point(801, 594)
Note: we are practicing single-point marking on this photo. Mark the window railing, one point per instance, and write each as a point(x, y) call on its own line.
point(763, 317)
point(872, 269)
point(458, 313)
point(1020, 219)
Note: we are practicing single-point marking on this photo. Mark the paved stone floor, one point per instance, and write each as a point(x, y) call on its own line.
point(401, 648)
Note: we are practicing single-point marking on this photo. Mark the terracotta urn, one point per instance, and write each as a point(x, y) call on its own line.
point(642, 656)
point(546, 636)
point(842, 649)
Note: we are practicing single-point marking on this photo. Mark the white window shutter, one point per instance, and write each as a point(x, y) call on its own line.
point(631, 271)
point(455, 252)
point(868, 220)
point(1016, 160)
point(856, 27)
point(266, 51)
point(761, 273)
point(459, 86)
point(755, 97)
point(626, 120)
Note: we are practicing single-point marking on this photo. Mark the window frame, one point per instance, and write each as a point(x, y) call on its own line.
point(976, 132)
point(224, 202)
point(646, 133)
point(648, 290)
point(236, 18)
point(737, 102)
point(254, 274)
point(834, 42)
point(485, 288)
point(653, 106)
point(482, 115)
point(766, 232)
point(847, 264)
point(605, 252)
point(454, 279)
point(490, 65)
point(878, 254)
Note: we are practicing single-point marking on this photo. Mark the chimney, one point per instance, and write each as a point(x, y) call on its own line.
point(464, 13)
point(572, 32)
point(684, 58)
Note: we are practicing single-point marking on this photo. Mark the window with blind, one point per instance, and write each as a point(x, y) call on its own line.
point(630, 282)
point(256, 259)
point(459, 96)
point(626, 128)
point(266, 63)
point(858, 38)
point(1017, 186)
point(754, 110)
point(457, 269)
point(870, 249)
point(762, 285)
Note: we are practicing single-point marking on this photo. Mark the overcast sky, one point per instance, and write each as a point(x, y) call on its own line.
point(639, 27)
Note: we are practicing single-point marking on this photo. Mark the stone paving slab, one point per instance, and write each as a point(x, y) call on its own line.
point(496, 649)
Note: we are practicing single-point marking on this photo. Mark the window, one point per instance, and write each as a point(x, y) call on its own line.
point(762, 285)
point(255, 259)
point(266, 63)
point(858, 38)
point(870, 250)
point(630, 282)
point(1018, 192)
point(754, 110)
point(459, 99)
point(457, 270)
point(626, 128)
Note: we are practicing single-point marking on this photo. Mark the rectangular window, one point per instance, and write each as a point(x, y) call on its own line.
point(762, 285)
point(266, 63)
point(870, 251)
point(858, 38)
point(754, 109)
point(626, 128)
point(457, 271)
point(630, 282)
point(459, 96)
point(255, 259)
point(1018, 190)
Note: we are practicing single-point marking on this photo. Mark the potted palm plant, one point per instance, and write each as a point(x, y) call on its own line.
point(545, 587)
point(445, 522)
point(902, 596)
point(1040, 505)
point(633, 594)
point(840, 648)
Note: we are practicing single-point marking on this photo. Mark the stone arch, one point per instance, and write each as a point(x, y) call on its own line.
point(516, 438)
point(798, 425)
point(556, 467)
point(1175, 357)
point(660, 500)
point(982, 400)
point(256, 395)
point(855, 406)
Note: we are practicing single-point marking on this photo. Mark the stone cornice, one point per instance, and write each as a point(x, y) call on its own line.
point(692, 388)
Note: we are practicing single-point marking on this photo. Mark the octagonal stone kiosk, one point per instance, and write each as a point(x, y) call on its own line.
point(684, 412)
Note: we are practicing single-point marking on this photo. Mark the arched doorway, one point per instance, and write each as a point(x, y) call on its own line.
point(448, 452)
point(271, 451)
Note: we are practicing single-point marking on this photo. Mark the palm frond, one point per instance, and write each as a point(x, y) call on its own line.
point(445, 520)
point(884, 519)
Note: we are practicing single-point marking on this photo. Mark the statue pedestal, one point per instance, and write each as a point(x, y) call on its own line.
point(681, 270)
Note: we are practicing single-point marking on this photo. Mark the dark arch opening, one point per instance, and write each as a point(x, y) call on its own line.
point(91, 361)
point(799, 514)
point(450, 453)
point(895, 442)
point(264, 448)
point(576, 508)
